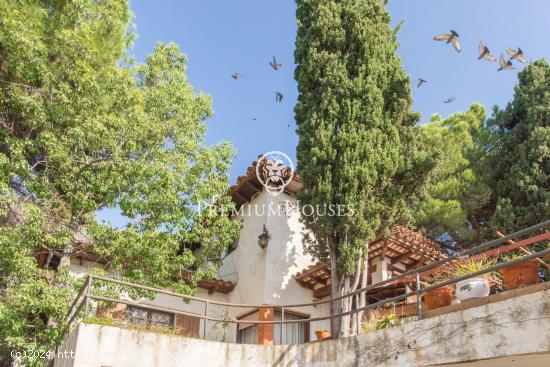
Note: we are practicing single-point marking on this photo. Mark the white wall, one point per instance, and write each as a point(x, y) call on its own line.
point(262, 276)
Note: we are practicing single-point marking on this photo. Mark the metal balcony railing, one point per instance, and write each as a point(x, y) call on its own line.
point(82, 302)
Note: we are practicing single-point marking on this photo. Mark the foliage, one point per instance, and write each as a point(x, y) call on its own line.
point(389, 320)
point(494, 175)
point(374, 320)
point(454, 210)
point(470, 266)
point(358, 144)
point(84, 128)
point(103, 321)
point(222, 326)
point(354, 122)
point(519, 160)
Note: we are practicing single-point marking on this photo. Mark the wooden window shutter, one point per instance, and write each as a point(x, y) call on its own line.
point(188, 325)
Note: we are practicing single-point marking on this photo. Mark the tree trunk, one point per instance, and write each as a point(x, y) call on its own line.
point(362, 297)
point(341, 285)
point(335, 306)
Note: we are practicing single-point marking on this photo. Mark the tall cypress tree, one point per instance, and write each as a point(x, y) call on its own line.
point(519, 163)
point(358, 144)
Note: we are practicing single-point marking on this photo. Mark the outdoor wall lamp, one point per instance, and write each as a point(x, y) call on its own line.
point(264, 238)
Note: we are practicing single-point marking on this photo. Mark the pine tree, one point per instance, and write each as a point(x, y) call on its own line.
point(456, 207)
point(358, 144)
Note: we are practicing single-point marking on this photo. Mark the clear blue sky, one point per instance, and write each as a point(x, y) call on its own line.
point(222, 37)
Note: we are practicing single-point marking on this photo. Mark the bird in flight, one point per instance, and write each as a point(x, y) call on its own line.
point(484, 53)
point(450, 99)
point(516, 54)
point(451, 38)
point(278, 97)
point(420, 82)
point(274, 64)
point(505, 65)
point(236, 75)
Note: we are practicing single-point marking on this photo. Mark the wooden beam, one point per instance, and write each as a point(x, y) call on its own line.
point(240, 197)
point(323, 291)
point(413, 264)
point(494, 252)
point(395, 269)
point(253, 187)
point(522, 249)
point(415, 250)
point(397, 259)
point(321, 280)
point(375, 246)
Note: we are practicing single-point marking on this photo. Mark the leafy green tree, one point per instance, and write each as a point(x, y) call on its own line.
point(83, 128)
point(518, 162)
point(358, 144)
point(456, 209)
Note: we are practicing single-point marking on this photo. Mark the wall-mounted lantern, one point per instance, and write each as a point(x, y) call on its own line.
point(264, 238)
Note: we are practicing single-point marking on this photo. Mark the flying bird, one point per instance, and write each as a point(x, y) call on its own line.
point(236, 75)
point(420, 82)
point(484, 53)
point(278, 97)
point(451, 38)
point(274, 64)
point(450, 99)
point(516, 54)
point(505, 65)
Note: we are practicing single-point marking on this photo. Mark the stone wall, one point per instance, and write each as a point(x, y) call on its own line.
point(513, 327)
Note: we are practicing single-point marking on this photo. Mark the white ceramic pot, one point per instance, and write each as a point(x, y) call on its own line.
point(472, 288)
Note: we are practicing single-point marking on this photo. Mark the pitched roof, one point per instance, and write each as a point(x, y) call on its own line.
point(249, 185)
point(404, 245)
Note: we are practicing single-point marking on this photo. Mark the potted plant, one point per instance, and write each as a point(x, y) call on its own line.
point(521, 274)
point(475, 287)
point(439, 297)
point(322, 334)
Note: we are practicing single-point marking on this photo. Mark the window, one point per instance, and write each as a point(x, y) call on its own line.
point(294, 333)
point(248, 335)
point(143, 316)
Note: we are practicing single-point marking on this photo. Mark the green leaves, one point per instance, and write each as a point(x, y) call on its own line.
point(457, 196)
point(358, 144)
point(493, 174)
point(80, 132)
point(520, 158)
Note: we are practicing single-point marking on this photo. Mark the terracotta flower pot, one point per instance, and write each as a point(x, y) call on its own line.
point(520, 275)
point(439, 297)
point(322, 334)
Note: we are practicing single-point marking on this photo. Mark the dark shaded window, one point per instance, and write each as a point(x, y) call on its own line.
point(143, 316)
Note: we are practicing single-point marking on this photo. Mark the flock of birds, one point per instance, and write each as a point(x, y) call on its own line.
point(449, 38)
point(275, 66)
point(484, 53)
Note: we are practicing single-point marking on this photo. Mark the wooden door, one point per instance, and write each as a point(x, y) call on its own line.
point(188, 325)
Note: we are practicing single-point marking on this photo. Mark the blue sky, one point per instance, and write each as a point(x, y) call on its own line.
point(222, 37)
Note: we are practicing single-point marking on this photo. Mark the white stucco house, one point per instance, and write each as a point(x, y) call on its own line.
point(274, 272)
